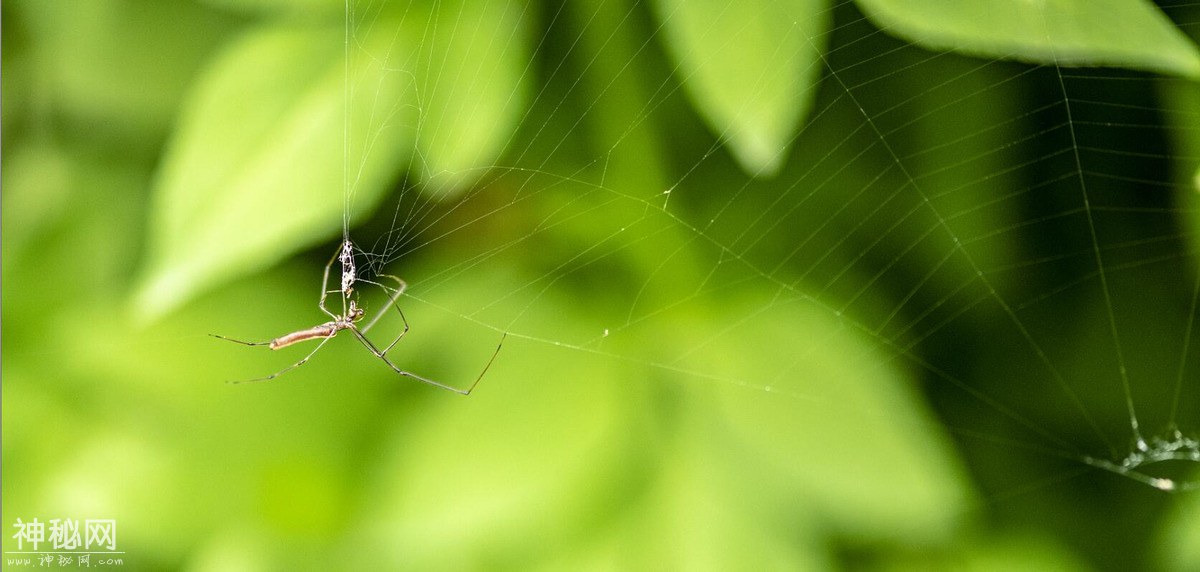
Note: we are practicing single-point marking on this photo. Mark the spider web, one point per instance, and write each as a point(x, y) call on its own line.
point(1034, 272)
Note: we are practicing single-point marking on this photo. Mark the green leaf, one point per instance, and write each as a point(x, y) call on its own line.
point(470, 78)
point(688, 520)
point(1121, 33)
point(1179, 540)
point(104, 62)
point(255, 170)
point(841, 431)
point(749, 67)
point(291, 8)
point(1181, 102)
point(992, 549)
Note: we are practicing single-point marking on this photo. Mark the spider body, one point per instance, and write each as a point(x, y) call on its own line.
point(326, 330)
point(348, 320)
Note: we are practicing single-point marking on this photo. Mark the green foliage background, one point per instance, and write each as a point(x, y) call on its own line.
point(172, 169)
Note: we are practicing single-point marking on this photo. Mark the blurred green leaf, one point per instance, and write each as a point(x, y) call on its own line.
point(16, 61)
point(255, 172)
point(471, 76)
point(38, 179)
point(1179, 544)
point(750, 68)
point(1025, 552)
point(1122, 33)
point(122, 65)
point(266, 125)
point(980, 551)
point(301, 8)
point(1181, 101)
point(688, 520)
point(840, 432)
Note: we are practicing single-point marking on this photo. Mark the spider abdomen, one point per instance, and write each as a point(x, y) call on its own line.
point(326, 330)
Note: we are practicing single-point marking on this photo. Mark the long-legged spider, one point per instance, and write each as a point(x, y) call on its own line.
point(348, 320)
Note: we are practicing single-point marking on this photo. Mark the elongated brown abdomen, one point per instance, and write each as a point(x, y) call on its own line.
point(322, 331)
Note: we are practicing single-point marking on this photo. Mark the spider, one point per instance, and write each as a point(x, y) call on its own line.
point(348, 320)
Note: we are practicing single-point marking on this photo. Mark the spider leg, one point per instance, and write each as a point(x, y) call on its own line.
point(286, 369)
point(401, 285)
point(220, 337)
point(392, 297)
point(382, 355)
point(325, 291)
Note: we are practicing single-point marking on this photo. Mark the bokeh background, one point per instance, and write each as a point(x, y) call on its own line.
point(786, 284)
